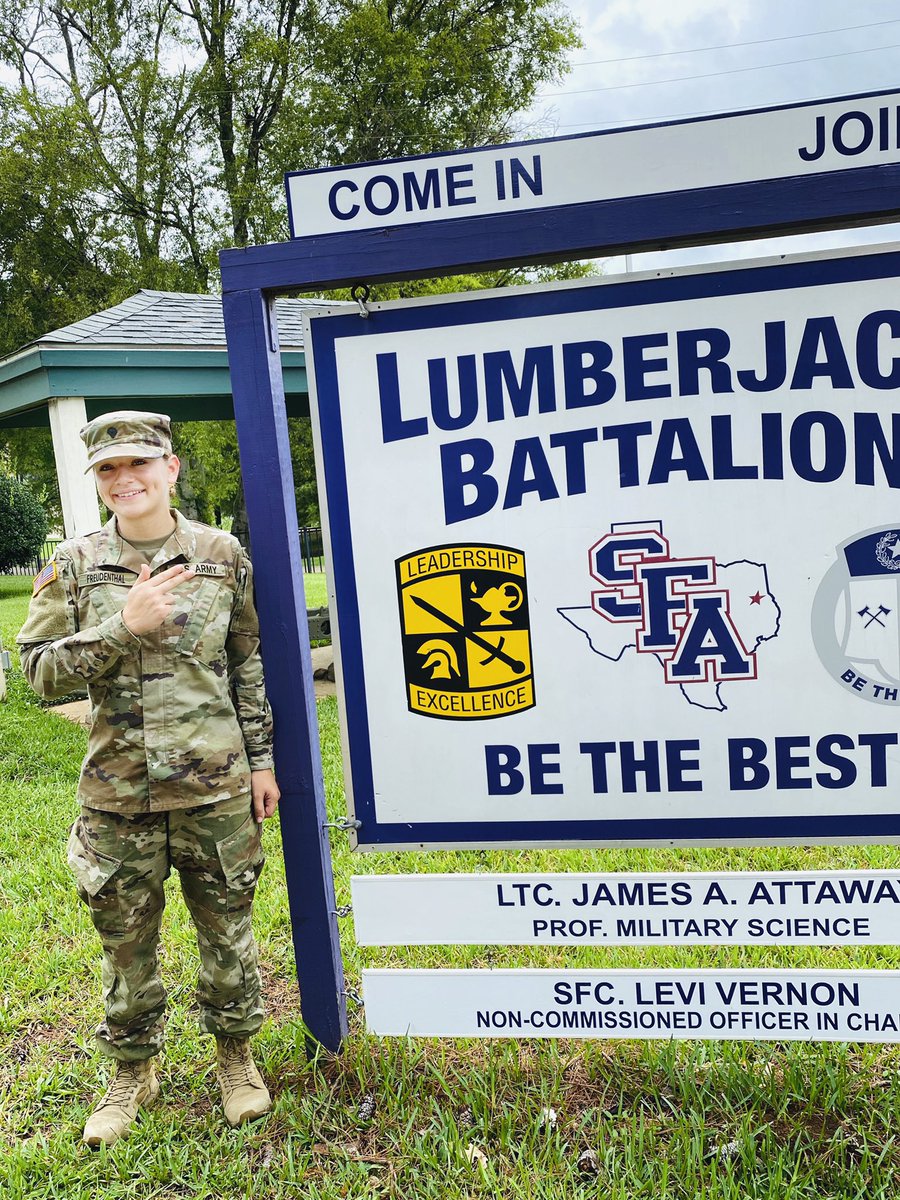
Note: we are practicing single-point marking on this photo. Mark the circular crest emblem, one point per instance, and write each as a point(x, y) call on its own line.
point(855, 619)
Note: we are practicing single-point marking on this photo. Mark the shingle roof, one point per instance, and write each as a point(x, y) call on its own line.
point(175, 319)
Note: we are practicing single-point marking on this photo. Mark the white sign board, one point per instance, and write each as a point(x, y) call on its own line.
point(753, 1005)
point(780, 143)
point(725, 908)
point(620, 562)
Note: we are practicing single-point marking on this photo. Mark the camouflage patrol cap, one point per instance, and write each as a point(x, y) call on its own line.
point(127, 434)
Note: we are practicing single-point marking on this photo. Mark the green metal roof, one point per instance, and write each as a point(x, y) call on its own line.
point(161, 350)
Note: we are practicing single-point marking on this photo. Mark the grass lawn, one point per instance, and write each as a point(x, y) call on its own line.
point(667, 1121)
point(316, 586)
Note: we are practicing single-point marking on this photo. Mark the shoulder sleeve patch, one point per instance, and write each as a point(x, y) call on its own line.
point(51, 610)
point(48, 575)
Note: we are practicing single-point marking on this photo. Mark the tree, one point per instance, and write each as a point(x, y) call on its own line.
point(50, 268)
point(189, 113)
point(398, 77)
point(143, 135)
point(23, 524)
point(209, 450)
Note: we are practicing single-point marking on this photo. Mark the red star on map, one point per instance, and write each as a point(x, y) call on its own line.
point(756, 599)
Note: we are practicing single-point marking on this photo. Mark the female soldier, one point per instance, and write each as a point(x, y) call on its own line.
point(154, 615)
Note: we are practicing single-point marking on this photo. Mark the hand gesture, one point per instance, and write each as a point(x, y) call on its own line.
point(150, 600)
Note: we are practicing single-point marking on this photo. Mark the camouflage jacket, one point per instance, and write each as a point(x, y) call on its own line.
point(179, 715)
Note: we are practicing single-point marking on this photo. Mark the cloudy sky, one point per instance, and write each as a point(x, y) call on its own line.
point(660, 60)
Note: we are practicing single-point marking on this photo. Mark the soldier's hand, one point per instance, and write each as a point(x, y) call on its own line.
point(150, 600)
point(265, 793)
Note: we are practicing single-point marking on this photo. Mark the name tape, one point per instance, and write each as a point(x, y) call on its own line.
point(104, 577)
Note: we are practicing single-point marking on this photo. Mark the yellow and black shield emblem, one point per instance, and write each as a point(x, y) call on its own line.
point(466, 637)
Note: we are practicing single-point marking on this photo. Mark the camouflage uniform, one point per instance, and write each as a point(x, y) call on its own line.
point(178, 720)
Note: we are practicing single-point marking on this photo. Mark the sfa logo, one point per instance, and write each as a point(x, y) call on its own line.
point(703, 621)
point(674, 605)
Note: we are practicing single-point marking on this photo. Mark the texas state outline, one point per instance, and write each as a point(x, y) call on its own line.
point(685, 689)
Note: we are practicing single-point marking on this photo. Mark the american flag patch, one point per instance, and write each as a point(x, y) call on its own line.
point(46, 576)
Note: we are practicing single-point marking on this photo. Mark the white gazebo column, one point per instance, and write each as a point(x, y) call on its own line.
point(81, 512)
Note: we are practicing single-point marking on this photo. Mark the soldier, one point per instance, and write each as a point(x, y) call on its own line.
point(154, 615)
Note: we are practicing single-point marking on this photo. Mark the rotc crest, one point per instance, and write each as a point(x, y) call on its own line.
point(856, 616)
point(465, 630)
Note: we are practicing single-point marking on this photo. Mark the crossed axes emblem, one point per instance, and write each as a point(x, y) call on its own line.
point(874, 616)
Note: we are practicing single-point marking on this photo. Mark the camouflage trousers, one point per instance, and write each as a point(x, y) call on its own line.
point(120, 864)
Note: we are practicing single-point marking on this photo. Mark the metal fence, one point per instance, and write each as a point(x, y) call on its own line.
point(312, 548)
point(39, 561)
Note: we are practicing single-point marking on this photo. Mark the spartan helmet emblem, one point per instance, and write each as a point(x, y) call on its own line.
point(440, 659)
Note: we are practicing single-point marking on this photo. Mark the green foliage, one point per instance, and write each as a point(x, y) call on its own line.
point(451, 284)
point(209, 451)
point(303, 459)
point(51, 272)
point(209, 455)
point(23, 523)
point(146, 135)
point(66, 249)
point(29, 453)
point(142, 136)
point(397, 77)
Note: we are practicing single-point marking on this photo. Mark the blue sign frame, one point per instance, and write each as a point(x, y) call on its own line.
point(254, 276)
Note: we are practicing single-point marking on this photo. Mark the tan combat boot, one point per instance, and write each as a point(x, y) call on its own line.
point(133, 1085)
point(244, 1094)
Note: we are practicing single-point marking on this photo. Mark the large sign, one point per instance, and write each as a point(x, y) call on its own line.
point(754, 1005)
point(620, 562)
point(779, 908)
point(790, 142)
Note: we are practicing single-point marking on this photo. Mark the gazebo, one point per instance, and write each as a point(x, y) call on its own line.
point(156, 351)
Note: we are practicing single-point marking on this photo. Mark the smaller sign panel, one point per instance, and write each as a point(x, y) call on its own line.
point(724, 908)
point(788, 142)
point(751, 1005)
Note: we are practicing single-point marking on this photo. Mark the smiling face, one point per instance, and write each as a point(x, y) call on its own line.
point(137, 491)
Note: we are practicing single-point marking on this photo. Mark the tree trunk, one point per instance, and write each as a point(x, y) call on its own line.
point(240, 526)
point(189, 503)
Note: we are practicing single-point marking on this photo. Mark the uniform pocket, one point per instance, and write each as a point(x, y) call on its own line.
point(95, 881)
point(206, 613)
point(242, 859)
point(104, 599)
